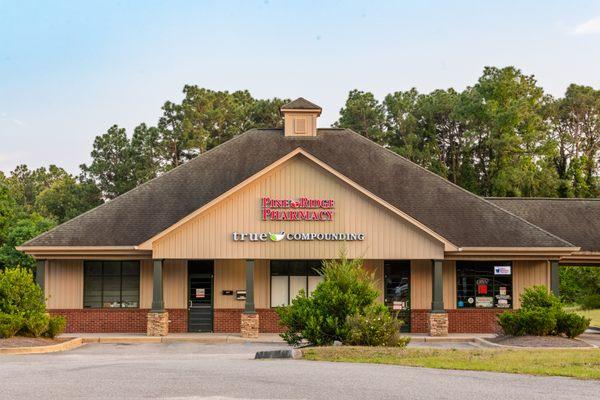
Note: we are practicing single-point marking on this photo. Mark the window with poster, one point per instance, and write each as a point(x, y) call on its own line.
point(484, 284)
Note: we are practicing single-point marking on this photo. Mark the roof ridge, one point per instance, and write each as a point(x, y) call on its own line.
point(545, 198)
point(482, 199)
point(135, 189)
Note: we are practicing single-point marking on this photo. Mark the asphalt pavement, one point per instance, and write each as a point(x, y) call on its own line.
point(199, 371)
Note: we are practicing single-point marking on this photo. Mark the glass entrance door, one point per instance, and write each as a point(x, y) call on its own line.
point(397, 290)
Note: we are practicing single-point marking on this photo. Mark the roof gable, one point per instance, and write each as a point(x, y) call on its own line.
point(388, 233)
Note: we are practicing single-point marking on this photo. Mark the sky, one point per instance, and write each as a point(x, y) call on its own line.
point(71, 69)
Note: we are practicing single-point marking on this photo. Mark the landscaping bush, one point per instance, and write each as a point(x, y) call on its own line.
point(56, 326)
point(19, 294)
point(542, 314)
point(539, 297)
point(570, 324)
point(590, 302)
point(376, 327)
point(37, 324)
point(347, 289)
point(10, 324)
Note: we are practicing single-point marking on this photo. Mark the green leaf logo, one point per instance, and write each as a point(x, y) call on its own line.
point(276, 237)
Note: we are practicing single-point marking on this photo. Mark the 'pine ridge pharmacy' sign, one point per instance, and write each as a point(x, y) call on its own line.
point(301, 209)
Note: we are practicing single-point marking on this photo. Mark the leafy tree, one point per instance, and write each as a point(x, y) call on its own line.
point(24, 228)
point(365, 115)
point(66, 198)
point(575, 122)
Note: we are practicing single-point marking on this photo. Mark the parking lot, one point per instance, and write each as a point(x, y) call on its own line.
point(197, 371)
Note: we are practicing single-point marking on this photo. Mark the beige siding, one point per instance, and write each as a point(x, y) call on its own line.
point(64, 284)
point(229, 275)
point(209, 235)
point(449, 274)
point(526, 274)
point(175, 283)
point(376, 268)
point(420, 284)
point(146, 271)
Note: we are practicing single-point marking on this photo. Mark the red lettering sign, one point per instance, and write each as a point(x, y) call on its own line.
point(301, 209)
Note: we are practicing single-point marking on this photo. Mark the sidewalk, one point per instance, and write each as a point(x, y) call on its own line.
point(213, 338)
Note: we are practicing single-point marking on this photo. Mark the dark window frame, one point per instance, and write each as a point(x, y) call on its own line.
point(102, 277)
point(288, 269)
point(473, 270)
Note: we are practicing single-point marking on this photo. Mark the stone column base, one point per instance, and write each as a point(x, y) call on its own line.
point(158, 324)
point(438, 324)
point(249, 326)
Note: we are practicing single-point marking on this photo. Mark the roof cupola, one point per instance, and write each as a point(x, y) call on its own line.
point(300, 117)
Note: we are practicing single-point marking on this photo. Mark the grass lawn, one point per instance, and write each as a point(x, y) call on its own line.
point(580, 363)
point(594, 315)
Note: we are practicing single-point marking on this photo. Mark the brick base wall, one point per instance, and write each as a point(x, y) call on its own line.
point(419, 321)
point(227, 320)
point(117, 320)
point(474, 321)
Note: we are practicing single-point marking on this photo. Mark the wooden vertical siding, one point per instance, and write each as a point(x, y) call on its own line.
point(529, 273)
point(449, 276)
point(376, 268)
point(146, 271)
point(64, 284)
point(420, 284)
point(387, 235)
point(231, 275)
point(175, 283)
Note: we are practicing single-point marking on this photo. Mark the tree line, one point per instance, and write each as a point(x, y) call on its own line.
point(502, 136)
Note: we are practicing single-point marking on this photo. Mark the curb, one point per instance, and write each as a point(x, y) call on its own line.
point(68, 345)
point(492, 344)
point(167, 339)
point(272, 354)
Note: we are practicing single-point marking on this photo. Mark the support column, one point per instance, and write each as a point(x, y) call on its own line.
point(40, 274)
point(438, 318)
point(554, 277)
point(250, 320)
point(158, 318)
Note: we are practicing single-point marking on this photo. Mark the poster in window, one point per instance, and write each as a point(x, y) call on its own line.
point(503, 303)
point(200, 293)
point(502, 270)
point(399, 305)
point(482, 285)
point(484, 302)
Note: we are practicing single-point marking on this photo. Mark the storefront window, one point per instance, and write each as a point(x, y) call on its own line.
point(483, 284)
point(288, 277)
point(111, 284)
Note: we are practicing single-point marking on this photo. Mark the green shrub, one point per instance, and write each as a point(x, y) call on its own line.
point(37, 324)
point(512, 324)
point(571, 324)
point(347, 289)
point(56, 326)
point(542, 314)
point(10, 324)
point(590, 301)
point(539, 297)
point(19, 294)
point(376, 327)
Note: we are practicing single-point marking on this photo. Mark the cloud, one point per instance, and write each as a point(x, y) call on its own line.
point(589, 27)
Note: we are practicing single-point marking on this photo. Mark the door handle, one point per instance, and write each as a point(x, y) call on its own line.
point(190, 304)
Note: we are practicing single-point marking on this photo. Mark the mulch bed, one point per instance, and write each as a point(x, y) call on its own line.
point(21, 341)
point(538, 341)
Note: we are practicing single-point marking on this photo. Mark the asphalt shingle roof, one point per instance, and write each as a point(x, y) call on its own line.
point(575, 220)
point(461, 217)
point(300, 104)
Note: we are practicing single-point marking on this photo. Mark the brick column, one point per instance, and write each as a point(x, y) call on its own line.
point(438, 318)
point(158, 318)
point(250, 320)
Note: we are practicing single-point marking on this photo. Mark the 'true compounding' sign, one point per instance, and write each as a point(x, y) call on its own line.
point(302, 209)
